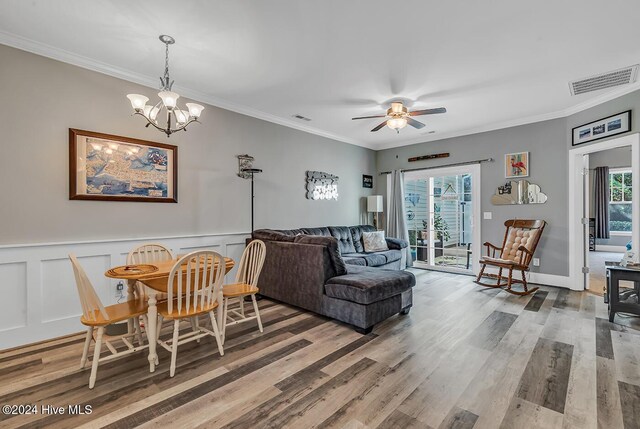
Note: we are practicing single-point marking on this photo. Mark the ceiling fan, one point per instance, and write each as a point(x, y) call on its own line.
point(399, 116)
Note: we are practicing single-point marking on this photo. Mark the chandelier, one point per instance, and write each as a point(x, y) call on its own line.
point(177, 119)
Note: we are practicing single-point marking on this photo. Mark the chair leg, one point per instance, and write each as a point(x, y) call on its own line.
point(509, 279)
point(481, 273)
point(224, 319)
point(136, 322)
point(87, 344)
point(255, 308)
point(500, 276)
point(158, 327)
point(96, 358)
point(524, 281)
point(216, 332)
point(194, 326)
point(174, 347)
point(241, 300)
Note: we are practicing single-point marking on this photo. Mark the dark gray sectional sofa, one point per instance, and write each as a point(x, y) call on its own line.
point(326, 270)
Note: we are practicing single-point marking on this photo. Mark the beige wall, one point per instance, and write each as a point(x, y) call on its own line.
point(43, 98)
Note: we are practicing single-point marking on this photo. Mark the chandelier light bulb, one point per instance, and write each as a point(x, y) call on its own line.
point(194, 109)
point(137, 101)
point(169, 98)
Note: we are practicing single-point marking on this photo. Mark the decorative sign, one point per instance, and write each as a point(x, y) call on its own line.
point(425, 157)
point(367, 181)
point(321, 186)
point(616, 124)
point(518, 192)
point(244, 162)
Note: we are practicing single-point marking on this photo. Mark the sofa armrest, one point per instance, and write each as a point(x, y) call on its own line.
point(396, 243)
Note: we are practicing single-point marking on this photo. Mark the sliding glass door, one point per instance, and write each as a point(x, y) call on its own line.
point(439, 205)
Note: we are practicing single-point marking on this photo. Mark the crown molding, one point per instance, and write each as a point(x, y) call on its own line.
point(68, 57)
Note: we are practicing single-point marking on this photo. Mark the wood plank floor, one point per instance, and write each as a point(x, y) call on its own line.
point(465, 357)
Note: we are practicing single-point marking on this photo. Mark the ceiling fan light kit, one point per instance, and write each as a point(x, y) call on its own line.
point(399, 117)
point(177, 119)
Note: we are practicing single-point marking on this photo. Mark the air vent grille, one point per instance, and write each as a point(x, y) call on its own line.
point(302, 118)
point(606, 80)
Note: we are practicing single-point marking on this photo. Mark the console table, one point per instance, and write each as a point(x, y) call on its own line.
point(629, 302)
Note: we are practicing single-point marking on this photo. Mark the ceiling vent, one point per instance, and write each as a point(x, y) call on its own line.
point(606, 80)
point(302, 118)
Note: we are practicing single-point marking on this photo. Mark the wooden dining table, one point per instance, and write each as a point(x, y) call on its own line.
point(156, 281)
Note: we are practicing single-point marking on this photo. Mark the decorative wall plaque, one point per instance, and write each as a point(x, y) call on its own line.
point(321, 186)
point(518, 192)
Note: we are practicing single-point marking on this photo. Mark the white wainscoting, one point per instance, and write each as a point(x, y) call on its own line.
point(39, 300)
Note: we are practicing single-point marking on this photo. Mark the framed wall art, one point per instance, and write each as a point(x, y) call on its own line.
point(114, 168)
point(516, 165)
point(606, 127)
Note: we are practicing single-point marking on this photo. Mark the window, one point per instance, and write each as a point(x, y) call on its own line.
point(620, 200)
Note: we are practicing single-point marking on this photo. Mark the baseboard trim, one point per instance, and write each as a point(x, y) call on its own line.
point(550, 280)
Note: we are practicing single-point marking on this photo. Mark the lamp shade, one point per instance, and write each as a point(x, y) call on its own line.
point(374, 203)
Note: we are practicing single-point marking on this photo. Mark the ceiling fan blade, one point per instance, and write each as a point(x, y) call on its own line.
point(428, 111)
point(414, 123)
point(379, 127)
point(369, 117)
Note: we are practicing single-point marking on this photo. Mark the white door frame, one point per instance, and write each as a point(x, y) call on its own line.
point(476, 221)
point(577, 241)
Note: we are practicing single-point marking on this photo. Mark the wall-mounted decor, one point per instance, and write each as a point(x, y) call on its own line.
point(518, 192)
point(606, 127)
point(425, 157)
point(114, 168)
point(516, 165)
point(367, 181)
point(322, 186)
point(245, 163)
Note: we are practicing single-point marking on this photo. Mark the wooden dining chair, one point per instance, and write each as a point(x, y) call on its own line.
point(246, 284)
point(193, 289)
point(149, 253)
point(96, 317)
point(521, 238)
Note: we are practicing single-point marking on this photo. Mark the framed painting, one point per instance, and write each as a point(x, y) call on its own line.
point(115, 168)
point(606, 127)
point(516, 165)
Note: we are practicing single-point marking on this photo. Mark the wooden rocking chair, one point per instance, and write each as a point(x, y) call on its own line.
point(520, 241)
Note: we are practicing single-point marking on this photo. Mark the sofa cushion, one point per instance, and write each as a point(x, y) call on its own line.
point(356, 235)
point(271, 235)
point(365, 285)
point(343, 235)
point(354, 260)
point(375, 259)
point(291, 231)
point(332, 245)
point(391, 255)
point(323, 231)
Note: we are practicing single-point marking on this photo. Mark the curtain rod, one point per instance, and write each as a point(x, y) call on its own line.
point(477, 161)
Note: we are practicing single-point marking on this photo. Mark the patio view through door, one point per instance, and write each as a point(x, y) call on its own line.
point(439, 210)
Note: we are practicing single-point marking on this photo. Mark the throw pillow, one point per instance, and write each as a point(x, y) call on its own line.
point(374, 241)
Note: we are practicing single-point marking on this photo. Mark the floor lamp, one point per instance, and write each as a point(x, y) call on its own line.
point(374, 205)
point(252, 172)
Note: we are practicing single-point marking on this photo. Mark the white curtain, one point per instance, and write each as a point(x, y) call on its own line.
point(396, 216)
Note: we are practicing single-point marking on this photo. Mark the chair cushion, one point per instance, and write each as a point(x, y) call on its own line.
point(489, 260)
point(354, 260)
point(356, 235)
point(343, 235)
point(518, 237)
point(365, 285)
point(323, 231)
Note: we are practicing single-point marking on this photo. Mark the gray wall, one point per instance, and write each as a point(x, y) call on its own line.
point(548, 163)
point(43, 98)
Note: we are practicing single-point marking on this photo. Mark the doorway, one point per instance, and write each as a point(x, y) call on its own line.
point(580, 231)
point(441, 205)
